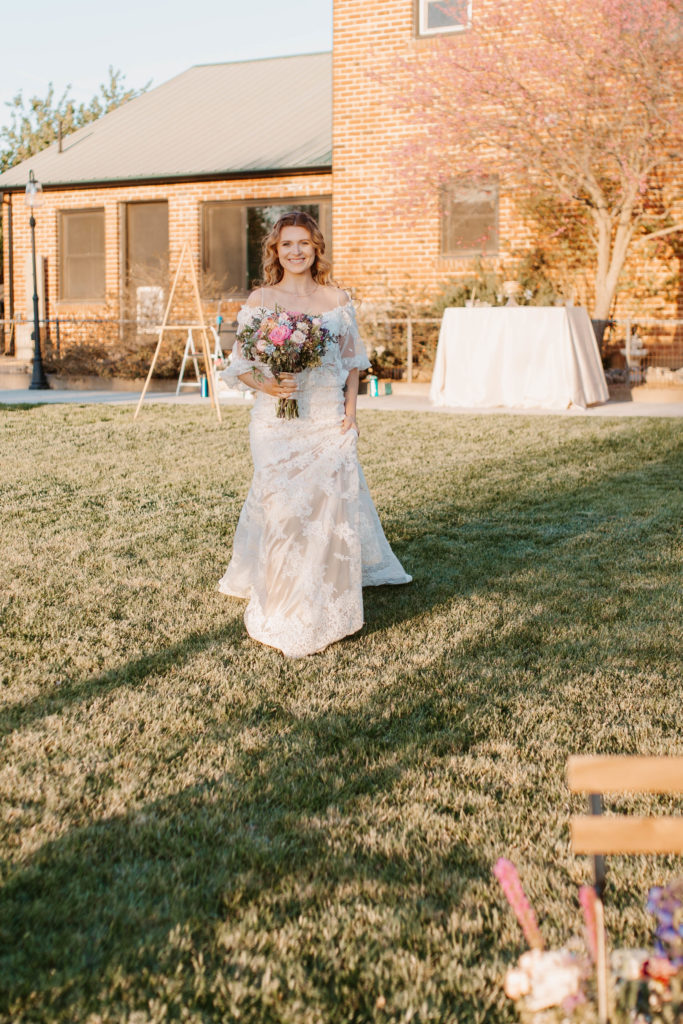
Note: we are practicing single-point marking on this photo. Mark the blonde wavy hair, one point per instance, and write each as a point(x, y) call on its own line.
point(272, 268)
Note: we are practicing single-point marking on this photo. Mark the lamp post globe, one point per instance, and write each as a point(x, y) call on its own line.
point(34, 199)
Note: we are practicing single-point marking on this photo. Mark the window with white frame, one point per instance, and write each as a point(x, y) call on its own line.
point(437, 16)
point(469, 218)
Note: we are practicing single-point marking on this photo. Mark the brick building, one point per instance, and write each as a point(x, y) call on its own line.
point(214, 155)
point(209, 157)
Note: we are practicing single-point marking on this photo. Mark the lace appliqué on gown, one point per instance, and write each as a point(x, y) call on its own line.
point(308, 537)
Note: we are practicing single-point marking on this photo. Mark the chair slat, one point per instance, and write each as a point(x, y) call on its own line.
point(594, 774)
point(613, 834)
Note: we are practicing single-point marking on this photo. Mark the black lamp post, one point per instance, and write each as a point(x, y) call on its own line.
point(34, 199)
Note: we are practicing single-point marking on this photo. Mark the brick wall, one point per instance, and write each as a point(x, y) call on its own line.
point(184, 215)
point(380, 252)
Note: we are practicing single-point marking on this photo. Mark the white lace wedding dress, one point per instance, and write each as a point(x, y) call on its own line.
point(308, 537)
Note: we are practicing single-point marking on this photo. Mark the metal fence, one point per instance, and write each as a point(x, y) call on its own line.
point(400, 347)
point(648, 348)
point(61, 333)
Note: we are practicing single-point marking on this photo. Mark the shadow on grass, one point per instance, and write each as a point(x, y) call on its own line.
point(22, 406)
point(464, 557)
point(131, 673)
point(460, 555)
point(277, 837)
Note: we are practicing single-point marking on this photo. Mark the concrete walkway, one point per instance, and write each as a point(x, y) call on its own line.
point(414, 400)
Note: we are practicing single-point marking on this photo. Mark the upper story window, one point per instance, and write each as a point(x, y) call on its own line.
point(469, 219)
point(81, 252)
point(438, 16)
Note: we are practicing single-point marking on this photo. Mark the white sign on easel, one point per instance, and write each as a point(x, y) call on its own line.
point(201, 327)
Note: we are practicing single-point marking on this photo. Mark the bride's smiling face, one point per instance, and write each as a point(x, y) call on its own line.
point(295, 250)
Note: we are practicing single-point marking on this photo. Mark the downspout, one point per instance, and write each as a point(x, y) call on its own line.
point(2, 278)
point(8, 289)
point(10, 269)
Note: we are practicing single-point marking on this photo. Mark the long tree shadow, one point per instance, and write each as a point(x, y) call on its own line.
point(131, 673)
point(467, 555)
point(276, 837)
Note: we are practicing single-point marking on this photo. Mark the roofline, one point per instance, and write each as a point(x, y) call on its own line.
point(253, 60)
point(170, 179)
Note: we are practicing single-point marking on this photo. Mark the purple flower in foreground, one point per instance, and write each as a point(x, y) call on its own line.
point(666, 903)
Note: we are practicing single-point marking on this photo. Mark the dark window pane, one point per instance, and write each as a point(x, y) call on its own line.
point(82, 255)
point(147, 243)
point(223, 249)
point(447, 13)
point(470, 220)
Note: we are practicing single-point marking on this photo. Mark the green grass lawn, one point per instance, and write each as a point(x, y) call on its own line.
point(196, 829)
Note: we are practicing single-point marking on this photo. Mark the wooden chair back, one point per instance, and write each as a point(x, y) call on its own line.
point(598, 835)
point(595, 775)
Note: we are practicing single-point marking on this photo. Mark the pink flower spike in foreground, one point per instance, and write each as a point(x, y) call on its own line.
point(506, 873)
point(587, 899)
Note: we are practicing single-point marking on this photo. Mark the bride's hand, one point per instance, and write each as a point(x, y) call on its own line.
point(284, 387)
point(348, 423)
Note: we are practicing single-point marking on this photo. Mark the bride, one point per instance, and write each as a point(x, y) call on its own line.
point(308, 537)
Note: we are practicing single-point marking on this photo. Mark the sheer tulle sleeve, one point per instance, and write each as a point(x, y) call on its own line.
point(238, 364)
point(351, 347)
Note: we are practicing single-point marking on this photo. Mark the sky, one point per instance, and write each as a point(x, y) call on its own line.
point(74, 42)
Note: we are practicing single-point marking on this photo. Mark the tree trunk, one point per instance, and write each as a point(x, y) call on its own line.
point(604, 290)
point(612, 249)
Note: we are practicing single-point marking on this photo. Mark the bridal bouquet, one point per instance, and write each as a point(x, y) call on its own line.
point(285, 343)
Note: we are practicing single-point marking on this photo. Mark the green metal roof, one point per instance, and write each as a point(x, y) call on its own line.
point(249, 117)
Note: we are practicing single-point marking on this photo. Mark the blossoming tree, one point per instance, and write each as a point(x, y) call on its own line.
point(577, 100)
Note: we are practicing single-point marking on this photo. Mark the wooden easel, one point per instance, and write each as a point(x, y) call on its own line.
point(200, 327)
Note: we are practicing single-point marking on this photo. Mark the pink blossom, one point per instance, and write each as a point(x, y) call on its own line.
point(279, 335)
point(506, 873)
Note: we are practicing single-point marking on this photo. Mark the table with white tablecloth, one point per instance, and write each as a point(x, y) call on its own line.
point(517, 356)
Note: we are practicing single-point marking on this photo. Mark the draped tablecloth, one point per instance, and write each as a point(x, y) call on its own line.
point(519, 356)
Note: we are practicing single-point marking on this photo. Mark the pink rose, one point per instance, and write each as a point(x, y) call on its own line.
point(279, 335)
point(261, 344)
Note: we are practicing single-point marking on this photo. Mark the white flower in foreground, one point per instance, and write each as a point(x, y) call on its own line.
point(553, 977)
point(517, 983)
point(628, 963)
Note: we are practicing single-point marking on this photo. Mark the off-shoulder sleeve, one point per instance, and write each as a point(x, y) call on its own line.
point(351, 347)
point(238, 364)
